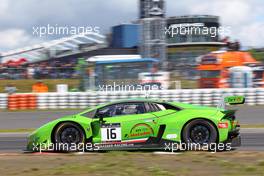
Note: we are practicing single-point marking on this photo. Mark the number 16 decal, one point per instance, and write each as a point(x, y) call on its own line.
point(111, 132)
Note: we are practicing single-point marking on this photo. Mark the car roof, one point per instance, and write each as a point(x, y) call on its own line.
point(146, 100)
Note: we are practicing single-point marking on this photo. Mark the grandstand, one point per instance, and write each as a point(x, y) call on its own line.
point(55, 59)
point(56, 48)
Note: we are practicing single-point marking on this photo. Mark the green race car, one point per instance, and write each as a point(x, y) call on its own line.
point(139, 124)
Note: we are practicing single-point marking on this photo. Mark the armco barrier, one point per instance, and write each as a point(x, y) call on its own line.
point(76, 100)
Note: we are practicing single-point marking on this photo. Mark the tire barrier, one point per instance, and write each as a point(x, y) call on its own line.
point(3, 101)
point(209, 97)
point(22, 101)
point(82, 100)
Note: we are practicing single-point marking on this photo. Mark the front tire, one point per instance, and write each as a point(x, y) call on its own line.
point(68, 134)
point(199, 132)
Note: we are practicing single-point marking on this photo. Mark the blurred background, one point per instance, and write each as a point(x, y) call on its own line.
point(57, 57)
point(148, 42)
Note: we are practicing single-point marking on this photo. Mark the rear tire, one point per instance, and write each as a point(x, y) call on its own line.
point(66, 135)
point(199, 132)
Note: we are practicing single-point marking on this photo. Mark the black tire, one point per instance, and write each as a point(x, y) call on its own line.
point(199, 132)
point(68, 134)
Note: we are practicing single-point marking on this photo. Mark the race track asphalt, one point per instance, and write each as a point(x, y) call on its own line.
point(14, 120)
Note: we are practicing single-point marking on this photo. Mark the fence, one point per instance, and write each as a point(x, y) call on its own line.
point(73, 100)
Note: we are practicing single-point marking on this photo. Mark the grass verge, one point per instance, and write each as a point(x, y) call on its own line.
point(135, 163)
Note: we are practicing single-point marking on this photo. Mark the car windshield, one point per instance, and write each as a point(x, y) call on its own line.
point(121, 109)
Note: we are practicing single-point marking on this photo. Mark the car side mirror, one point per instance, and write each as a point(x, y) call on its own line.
point(100, 116)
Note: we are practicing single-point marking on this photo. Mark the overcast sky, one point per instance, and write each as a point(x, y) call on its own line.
point(18, 17)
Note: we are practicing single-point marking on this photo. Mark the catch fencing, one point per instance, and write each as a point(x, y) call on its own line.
point(81, 100)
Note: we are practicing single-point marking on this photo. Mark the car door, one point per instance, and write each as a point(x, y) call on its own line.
point(124, 122)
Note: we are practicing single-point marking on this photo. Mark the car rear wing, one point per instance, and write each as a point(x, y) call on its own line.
point(230, 114)
point(231, 100)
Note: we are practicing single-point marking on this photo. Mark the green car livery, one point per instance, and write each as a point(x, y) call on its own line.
point(140, 124)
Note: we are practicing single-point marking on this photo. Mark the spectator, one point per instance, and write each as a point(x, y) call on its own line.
point(10, 89)
point(30, 72)
point(40, 87)
point(41, 70)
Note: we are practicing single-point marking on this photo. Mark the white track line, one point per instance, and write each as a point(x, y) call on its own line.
point(252, 130)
